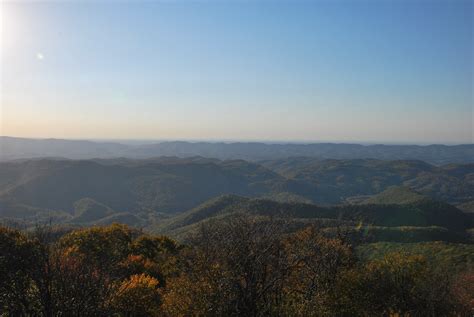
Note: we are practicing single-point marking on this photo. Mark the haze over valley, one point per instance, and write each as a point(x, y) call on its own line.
point(21, 148)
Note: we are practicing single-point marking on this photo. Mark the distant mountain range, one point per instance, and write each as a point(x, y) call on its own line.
point(20, 148)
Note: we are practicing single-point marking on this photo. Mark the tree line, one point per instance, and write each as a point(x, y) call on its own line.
point(239, 266)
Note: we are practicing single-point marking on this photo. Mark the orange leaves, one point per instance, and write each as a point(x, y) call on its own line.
point(137, 296)
point(139, 281)
point(137, 264)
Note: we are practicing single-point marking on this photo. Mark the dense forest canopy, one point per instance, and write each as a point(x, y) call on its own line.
point(240, 266)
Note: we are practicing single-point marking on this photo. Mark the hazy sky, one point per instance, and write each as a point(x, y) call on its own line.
point(390, 71)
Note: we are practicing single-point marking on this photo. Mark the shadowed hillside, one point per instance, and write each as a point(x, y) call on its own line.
point(418, 220)
point(151, 186)
point(338, 180)
point(89, 190)
point(396, 195)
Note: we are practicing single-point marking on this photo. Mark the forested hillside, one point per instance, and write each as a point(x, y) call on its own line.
point(342, 179)
point(140, 191)
point(145, 187)
point(423, 220)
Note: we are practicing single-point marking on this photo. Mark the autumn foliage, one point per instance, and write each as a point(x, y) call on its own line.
point(239, 266)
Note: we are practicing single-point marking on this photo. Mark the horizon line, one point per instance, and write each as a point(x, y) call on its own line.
point(234, 141)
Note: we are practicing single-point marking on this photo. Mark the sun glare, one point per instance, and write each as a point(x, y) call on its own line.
point(13, 29)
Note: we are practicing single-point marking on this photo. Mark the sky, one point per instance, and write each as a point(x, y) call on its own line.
point(344, 71)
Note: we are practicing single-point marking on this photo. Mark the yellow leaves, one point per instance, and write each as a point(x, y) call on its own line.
point(137, 296)
point(71, 251)
point(139, 281)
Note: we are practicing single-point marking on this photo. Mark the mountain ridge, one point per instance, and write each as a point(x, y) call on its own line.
point(20, 148)
point(154, 189)
point(422, 218)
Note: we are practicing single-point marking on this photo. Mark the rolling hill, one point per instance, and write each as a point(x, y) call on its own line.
point(339, 180)
point(422, 219)
point(150, 190)
point(155, 186)
point(396, 195)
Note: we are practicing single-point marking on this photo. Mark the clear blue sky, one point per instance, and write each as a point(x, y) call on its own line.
point(388, 71)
